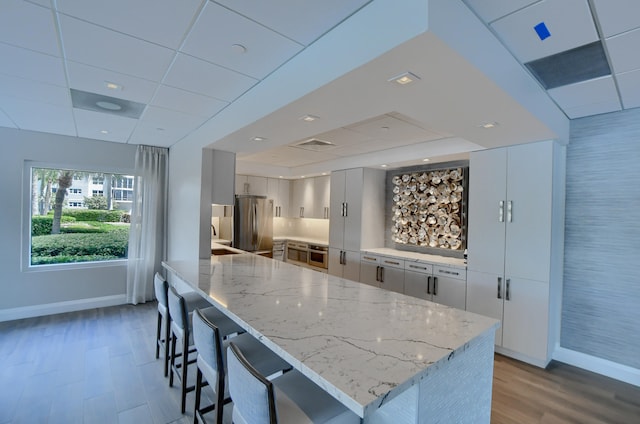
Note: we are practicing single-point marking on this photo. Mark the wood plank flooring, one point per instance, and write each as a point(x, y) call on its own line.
point(99, 366)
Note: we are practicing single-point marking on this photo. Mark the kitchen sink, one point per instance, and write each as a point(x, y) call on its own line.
point(223, 251)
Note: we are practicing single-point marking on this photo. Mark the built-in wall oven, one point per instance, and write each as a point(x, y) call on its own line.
point(318, 256)
point(297, 252)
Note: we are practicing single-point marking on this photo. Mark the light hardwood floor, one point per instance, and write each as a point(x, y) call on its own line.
point(99, 366)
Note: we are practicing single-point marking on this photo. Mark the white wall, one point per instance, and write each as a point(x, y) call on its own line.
point(29, 293)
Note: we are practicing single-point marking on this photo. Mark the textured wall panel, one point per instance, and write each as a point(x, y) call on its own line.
point(601, 298)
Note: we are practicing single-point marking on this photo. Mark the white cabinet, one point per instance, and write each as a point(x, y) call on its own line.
point(249, 184)
point(380, 271)
point(321, 197)
point(345, 264)
point(356, 210)
point(516, 229)
point(310, 198)
point(278, 190)
point(436, 283)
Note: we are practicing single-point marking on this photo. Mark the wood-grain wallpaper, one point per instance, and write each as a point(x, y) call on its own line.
point(601, 295)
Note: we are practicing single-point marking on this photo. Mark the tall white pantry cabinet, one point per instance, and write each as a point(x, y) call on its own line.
point(515, 245)
point(357, 218)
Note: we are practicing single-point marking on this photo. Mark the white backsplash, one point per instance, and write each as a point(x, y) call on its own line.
point(306, 227)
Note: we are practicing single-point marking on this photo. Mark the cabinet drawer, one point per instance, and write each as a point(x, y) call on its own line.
point(391, 263)
point(371, 259)
point(418, 267)
point(443, 271)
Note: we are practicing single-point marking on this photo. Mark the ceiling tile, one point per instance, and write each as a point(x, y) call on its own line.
point(38, 116)
point(121, 53)
point(5, 121)
point(218, 30)
point(171, 120)
point(164, 22)
point(198, 76)
point(569, 22)
point(620, 50)
point(28, 25)
point(20, 88)
point(490, 10)
point(149, 134)
point(90, 124)
point(187, 102)
point(301, 20)
point(92, 79)
point(617, 16)
point(31, 65)
point(587, 98)
point(629, 84)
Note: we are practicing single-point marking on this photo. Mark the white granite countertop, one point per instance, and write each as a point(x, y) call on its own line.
point(304, 240)
point(415, 256)
point(361, 344)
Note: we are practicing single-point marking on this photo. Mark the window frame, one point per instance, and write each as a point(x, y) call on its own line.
point(27, 172)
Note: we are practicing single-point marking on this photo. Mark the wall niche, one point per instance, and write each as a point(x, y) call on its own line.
point(427, 208)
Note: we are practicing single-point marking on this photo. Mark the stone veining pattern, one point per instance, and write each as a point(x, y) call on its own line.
point(361, 344)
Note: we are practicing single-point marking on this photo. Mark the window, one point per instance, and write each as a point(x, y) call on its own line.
point(67, 228)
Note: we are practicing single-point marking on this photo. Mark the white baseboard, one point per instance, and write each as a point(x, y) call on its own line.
point(598, 365)
point(61, 307)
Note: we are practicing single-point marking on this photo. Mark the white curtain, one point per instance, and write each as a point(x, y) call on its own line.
point(147, 236)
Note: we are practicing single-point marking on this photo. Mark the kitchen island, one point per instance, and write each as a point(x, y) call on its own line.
point(388, 357)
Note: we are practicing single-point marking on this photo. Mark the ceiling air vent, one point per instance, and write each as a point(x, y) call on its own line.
point(100, 103)
point(572, 66)
point(314, 145)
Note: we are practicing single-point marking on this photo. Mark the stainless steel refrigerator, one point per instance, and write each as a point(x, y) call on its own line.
point(253, 224)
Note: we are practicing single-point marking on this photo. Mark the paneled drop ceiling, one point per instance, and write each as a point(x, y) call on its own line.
point(573, 24)
point(183, 60)
point(186, 61)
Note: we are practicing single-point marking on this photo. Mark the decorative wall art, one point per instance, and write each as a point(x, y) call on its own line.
point(428, 208)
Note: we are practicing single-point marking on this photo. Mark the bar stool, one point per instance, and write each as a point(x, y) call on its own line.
point(193, 300)
point(181, 332)
point(290, 398)
point(212, 363)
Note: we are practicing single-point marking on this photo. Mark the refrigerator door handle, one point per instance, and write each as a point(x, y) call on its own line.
point(254, 226)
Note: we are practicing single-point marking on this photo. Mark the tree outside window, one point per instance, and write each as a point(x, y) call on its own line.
point(67, 227)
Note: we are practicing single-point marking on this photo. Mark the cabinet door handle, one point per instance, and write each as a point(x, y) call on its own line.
point(501, 211)
point(429, 285)
point(382, 274)
point(435, 286)
point(499, 287)
point(510, 211)
point(343, 259)
point(507, 294)
point(342, 209)
point(301, 211)
point(346, 209)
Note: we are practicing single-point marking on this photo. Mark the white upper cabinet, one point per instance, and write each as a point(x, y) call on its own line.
point(310, 197)
point(321, 196)
point(248, 184)
point(278, 190)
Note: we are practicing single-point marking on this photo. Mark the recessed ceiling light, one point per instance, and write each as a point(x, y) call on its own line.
point(308, 118)
point(104, 132)
point(404, 78)
point(325, 173)
point(383, 166)
point(280, 176)
point(301, 176)
point(112, 85)
point(487, 125)
point(258, 139)
point(425, 160)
